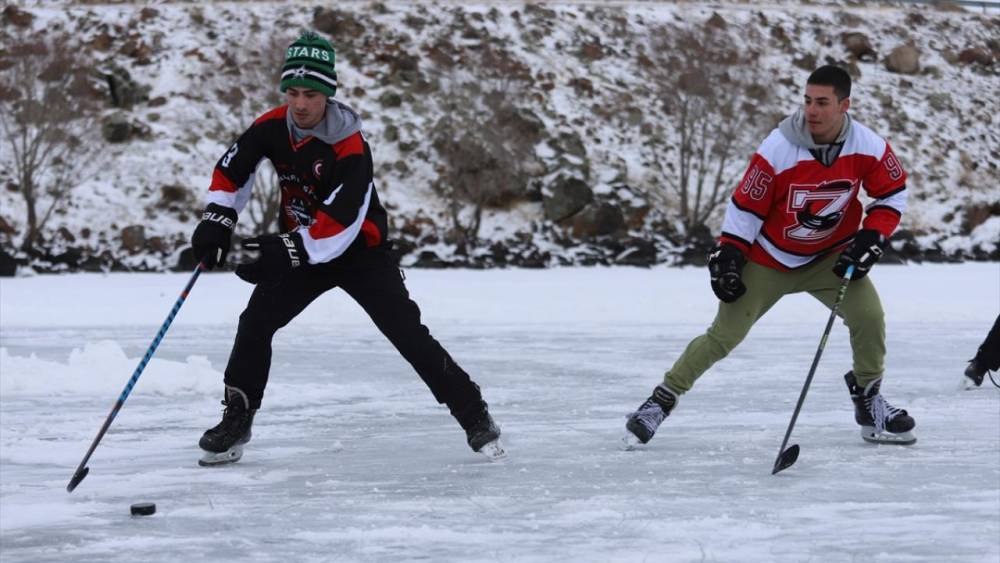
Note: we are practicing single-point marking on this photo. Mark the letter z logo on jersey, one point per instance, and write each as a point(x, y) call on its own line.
point(818, 208)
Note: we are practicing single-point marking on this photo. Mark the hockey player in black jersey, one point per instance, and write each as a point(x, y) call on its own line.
point(333, 235)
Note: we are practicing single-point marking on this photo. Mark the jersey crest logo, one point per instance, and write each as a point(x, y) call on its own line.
point(818, 209)
point(317, 169)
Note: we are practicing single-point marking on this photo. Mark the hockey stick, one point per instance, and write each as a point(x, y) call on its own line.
point(787, 457)
point(82, 469)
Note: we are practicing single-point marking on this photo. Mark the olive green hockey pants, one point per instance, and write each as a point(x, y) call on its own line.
point(861, 311)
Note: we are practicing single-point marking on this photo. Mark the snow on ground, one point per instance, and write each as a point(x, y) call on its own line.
point(352, 460)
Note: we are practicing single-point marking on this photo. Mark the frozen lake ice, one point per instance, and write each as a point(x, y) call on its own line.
point(352, 460)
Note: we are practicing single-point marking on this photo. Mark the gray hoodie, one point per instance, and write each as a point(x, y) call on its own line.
point(795, 130)
point(339, 123)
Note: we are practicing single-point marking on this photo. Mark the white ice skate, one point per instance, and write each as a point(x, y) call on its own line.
point(494, 451)
point(211, 459)
point(872, 435)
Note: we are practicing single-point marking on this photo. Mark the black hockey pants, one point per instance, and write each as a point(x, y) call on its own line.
point(373, 279)
point(988, 354)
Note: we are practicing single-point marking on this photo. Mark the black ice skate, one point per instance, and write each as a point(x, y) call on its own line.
point(224, 442)
point(483, 436)
point(642, 424)
point(974, 373)
point(881, 423)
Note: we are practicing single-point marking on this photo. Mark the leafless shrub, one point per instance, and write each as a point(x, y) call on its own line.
point(713, 95)
point(483, 139)
point(47, 121)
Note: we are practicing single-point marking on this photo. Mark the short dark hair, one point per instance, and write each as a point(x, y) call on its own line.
point(830, 75)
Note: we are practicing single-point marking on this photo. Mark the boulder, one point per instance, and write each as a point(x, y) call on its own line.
point(859, 46)
point(337, 23)
point(697, 244)
point(133, 238)
point(977, 214)
point(638, 252)
point(904, 59)
point(172, 193)
point(123, 91)
point(8, 265)
point(565, 197)
point(591, 51)
point(429, 259)
point(17, 17)
point(116, 128)
point(390, 99)
point(716, 21)
point(185, 260)
point(598, 220)
point(976, 55)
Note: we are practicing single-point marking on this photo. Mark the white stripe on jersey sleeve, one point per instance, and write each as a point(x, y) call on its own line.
point(788, 260)
point(741, 223)
point(897, 201)
point(237, 200)
point(326, 249)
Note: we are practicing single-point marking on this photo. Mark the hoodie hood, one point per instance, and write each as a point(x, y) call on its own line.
point(339, 123)
point(796, 131)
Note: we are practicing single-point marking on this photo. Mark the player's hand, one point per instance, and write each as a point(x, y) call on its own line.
point(212, 237)
point(725, 264)
point(863, 252)
point(279, 254)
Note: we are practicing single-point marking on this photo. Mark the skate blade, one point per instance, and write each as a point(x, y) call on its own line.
point(968, 384)
point(630, 442)
point(494, 451)
point(869, 435)
point(212, 459)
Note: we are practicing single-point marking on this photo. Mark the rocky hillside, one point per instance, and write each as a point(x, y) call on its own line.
point(503, 133)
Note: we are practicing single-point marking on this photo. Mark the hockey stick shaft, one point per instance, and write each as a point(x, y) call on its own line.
point(819, 352)
point(81, 470)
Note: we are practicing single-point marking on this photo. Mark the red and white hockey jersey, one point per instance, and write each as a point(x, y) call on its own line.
point(790, 209)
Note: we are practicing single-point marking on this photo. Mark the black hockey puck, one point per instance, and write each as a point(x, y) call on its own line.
point(143, 509)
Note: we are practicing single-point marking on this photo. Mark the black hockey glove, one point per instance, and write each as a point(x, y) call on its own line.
point(279, 254)
point(725, 264)
point(863, 252)
point(212, 237)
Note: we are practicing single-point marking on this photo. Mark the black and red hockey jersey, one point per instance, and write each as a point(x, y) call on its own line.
point(327, 190)
point(790, 208)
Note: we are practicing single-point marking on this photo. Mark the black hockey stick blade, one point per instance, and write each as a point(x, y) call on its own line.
point(77, 477)
point(786, 459)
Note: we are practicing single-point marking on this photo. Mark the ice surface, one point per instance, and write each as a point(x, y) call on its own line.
point(352, 460)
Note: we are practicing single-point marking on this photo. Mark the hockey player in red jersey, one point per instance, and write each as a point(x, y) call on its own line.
point(795, 223)
point(333, 234)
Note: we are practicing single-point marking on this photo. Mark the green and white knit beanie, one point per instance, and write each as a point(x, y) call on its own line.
point(309, 63)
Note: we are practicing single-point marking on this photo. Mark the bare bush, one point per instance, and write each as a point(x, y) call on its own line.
point(48, 107)
point(484, 141)
point(714, 97)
